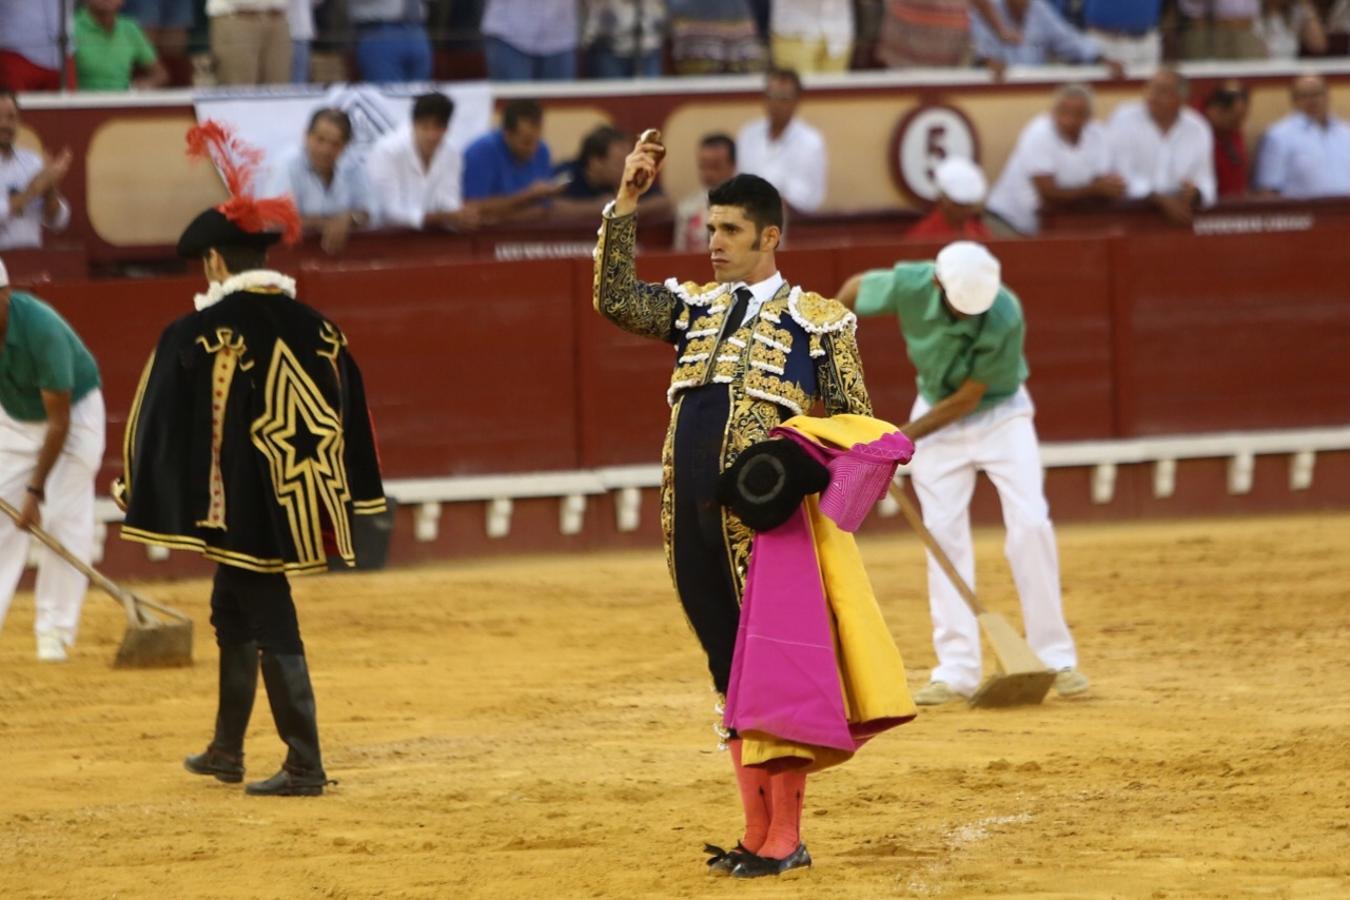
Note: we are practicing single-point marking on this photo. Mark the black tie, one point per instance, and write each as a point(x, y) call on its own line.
point(736, 318)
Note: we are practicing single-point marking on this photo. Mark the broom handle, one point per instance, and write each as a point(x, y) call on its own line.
point(915, 519)
point(84, 568)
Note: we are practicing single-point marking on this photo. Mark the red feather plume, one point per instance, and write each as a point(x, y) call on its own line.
point(238, 162)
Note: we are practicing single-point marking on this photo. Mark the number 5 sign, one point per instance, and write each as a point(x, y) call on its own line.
point(922, 140)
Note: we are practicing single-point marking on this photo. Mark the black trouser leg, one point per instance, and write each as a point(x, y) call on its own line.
point(291, 697)
point(703, 576)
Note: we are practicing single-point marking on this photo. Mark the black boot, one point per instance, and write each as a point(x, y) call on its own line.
point(291, 697)
point(224, 756)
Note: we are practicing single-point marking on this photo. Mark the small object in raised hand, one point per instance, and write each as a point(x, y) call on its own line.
point(650, 136)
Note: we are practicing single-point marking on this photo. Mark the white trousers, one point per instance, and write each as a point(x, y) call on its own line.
point(1143, 52)
point(67, 514)
point(1000, 441)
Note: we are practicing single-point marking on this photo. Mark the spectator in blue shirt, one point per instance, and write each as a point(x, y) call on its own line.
point(329, 187)
point(1126, 32)
point(1046, 38)
point(510, 170)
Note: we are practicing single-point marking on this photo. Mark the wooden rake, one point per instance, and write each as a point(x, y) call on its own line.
point(149, 641)
point(1021, 678)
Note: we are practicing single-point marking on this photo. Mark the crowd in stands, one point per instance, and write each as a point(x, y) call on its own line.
point(1168, 150)
point(125, 44)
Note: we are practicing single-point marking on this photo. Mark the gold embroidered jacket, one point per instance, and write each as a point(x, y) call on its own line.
point(800, 349)
point(249, 439)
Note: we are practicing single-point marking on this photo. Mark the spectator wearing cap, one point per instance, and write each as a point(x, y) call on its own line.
point(531, 40)
point(30, 187)
point(716, 164)
point(1164, 149)
point(1045, 36)
point(30, 45)
point(415, 172)
point(392, 45)
point(510, 168)
point(111, 51)
point(1126, 31)
point(1226, 109)
point(811, 35)
point(1061, 156)
point(1220, 29)
point(960, 203)
point(782, 149)
point(329, 186)
point(1307, 153)
point(250, 41)
point(623, 38)
point(964, 333)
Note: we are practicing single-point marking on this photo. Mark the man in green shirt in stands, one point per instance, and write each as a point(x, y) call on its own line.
point(51, 446)
point(964, 332)
point(111, 51)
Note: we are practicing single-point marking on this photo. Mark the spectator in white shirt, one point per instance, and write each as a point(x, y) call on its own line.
point(1164, 149)
point(1307, 153)
point(716, 163)
point(782, 149)
point(328, 185)
point(811, 35)
point(1061, 156)
point(31, 198)
point(414, 172)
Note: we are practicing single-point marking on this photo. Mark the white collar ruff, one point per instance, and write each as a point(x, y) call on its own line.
point(245, 281)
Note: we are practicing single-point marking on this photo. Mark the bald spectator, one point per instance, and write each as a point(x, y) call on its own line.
point(30, 192)
point(1226, 109)
point(716, 164)
point(111, 51)
point(960, 204)
point(1061, 157)
point(1164, 149)
point(1044, 37)
point(1220, 29)
point(30, 44)
point(1307, 153)
point(1126, 31)
point(782, 149)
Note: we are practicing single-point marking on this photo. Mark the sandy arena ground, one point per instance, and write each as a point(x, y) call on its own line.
point(542, 728)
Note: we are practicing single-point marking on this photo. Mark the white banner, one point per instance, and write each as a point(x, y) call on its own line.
point(274, 121)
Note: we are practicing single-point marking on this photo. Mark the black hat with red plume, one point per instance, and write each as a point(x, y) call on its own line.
point(243, 220)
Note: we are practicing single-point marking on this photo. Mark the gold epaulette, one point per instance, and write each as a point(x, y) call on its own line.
point(820, 315)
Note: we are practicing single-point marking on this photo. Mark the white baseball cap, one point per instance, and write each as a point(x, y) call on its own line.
point(960, 180)
point(4, 275)
point(970, 275)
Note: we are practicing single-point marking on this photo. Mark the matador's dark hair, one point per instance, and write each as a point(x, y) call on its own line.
point(757, 197)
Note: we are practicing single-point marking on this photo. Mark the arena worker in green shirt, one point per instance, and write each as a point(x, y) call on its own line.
point(51, 447)
point(963, 331)
point(111, 51)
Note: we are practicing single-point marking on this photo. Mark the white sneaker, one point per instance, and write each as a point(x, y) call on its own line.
point(935, 693)
point(1071, 682)
point(50, 647)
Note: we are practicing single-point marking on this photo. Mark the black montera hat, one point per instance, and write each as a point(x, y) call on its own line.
point(766, 483)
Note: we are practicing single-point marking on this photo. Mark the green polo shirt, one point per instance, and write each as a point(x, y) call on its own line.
point(41, 353)
point(945, 350)
point(105, 61)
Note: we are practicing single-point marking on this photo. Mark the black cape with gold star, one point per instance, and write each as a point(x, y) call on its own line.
point(249, 440)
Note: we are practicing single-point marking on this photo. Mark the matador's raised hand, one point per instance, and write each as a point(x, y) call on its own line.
point(640, 170)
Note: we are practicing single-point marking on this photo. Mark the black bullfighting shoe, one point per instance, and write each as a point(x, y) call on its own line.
point(224, 766)
point(752, 866)
point(721, 862)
